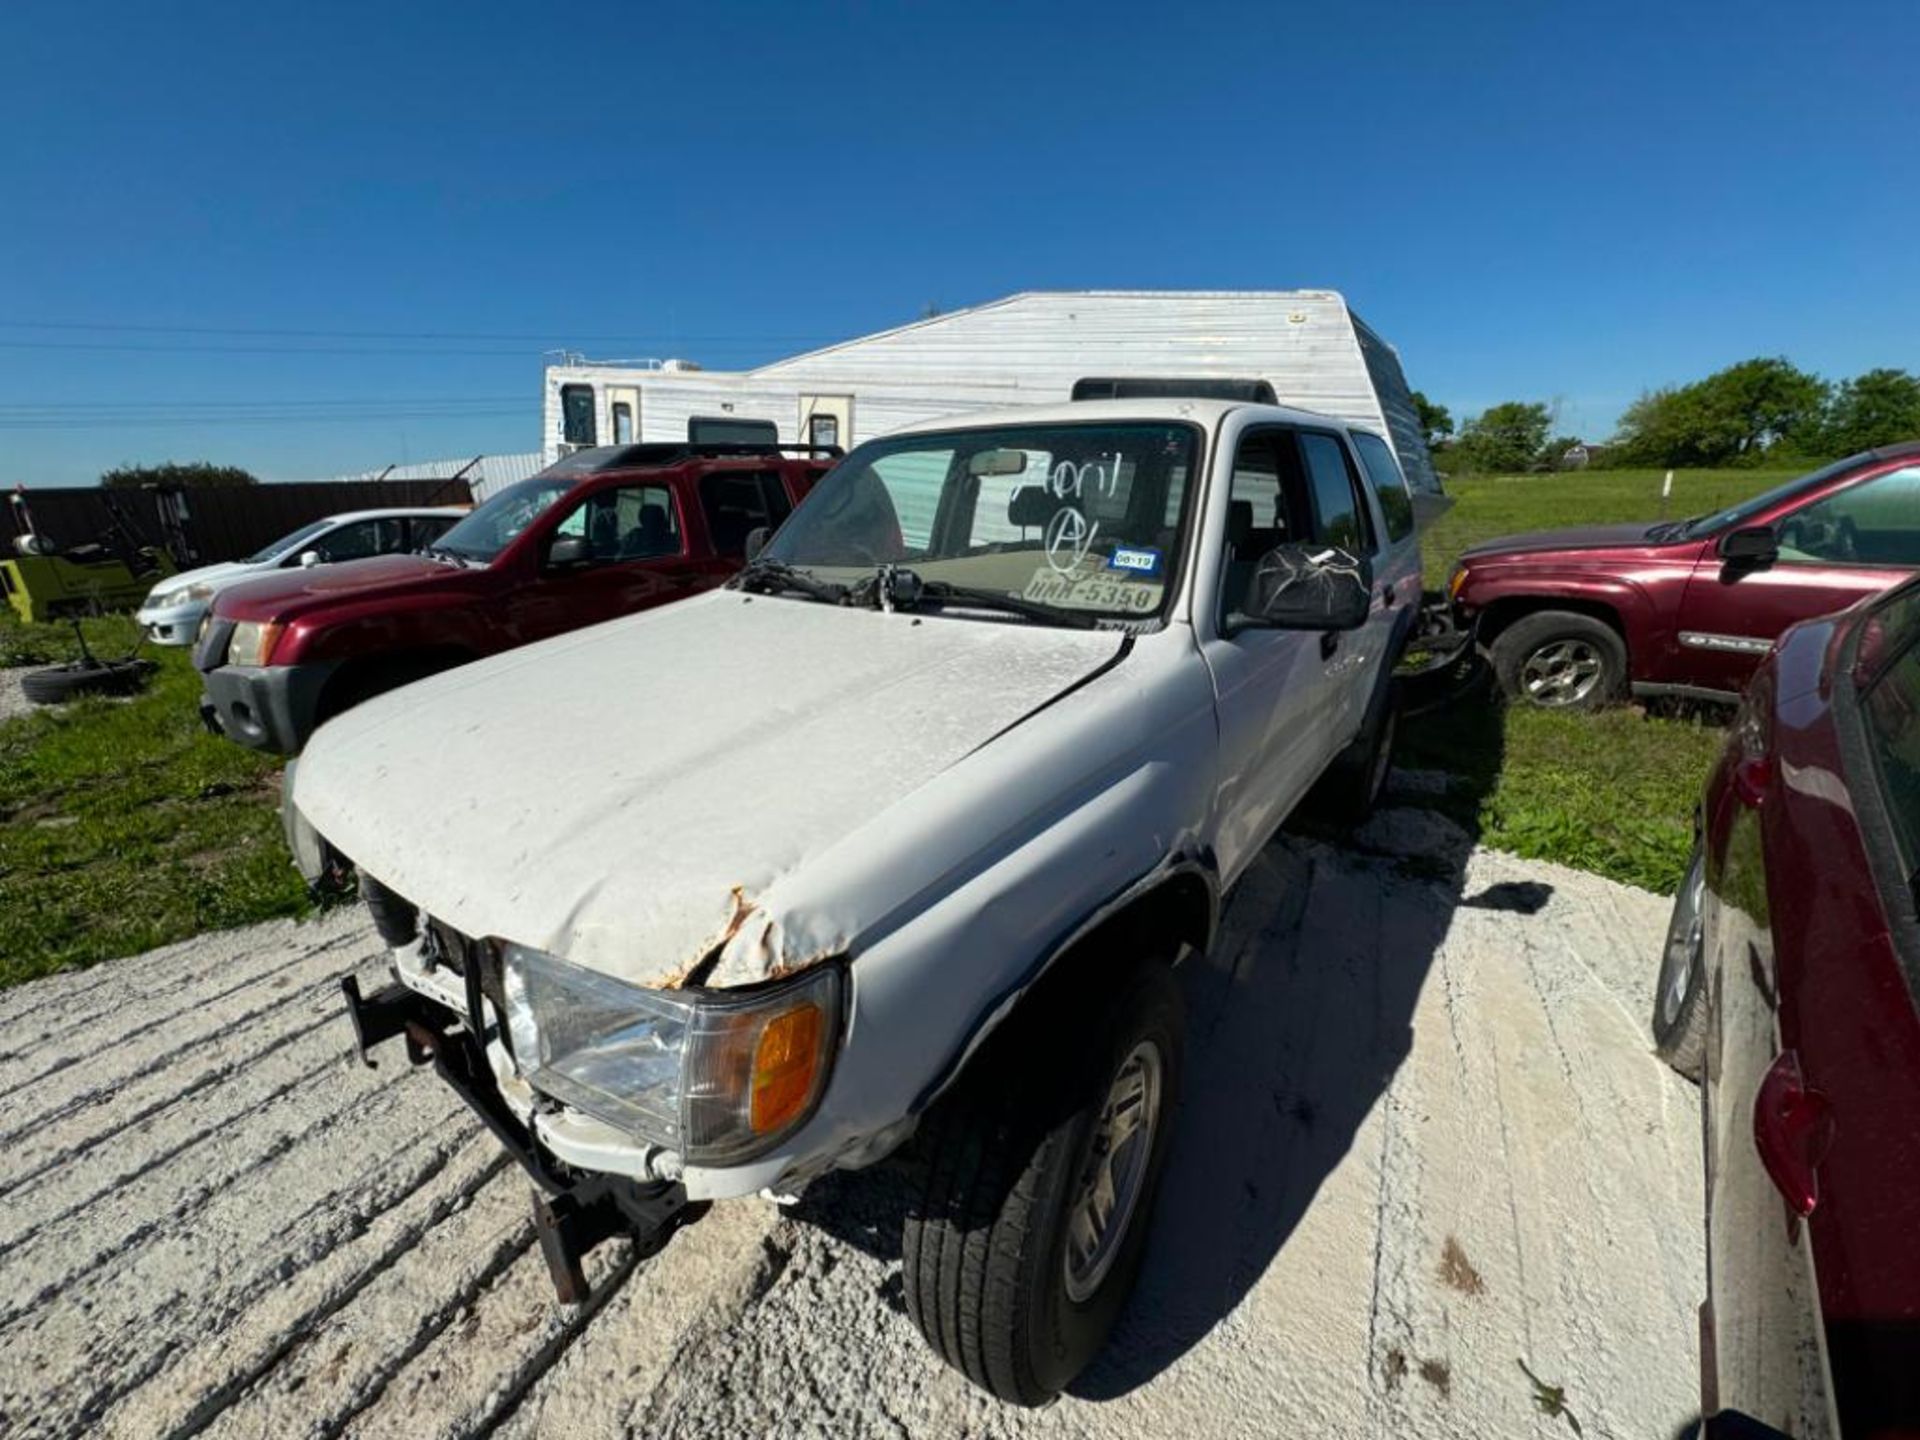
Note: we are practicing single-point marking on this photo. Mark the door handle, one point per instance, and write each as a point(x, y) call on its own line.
point(1388, 596)
point(1329, 642)
point(1792, 1130)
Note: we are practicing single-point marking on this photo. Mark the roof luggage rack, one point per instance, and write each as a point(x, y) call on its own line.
point(1148, 387)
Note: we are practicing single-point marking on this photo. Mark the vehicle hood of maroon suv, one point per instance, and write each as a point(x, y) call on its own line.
point(1580, 537)
point(286, 596)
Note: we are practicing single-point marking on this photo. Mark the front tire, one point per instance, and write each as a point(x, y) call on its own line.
point(1679, 1012)
point(1042, 1171)
point(1560, 660)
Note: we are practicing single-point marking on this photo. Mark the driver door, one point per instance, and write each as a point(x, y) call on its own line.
point(1275, 691)
point(1835, 549)
point(639, 559)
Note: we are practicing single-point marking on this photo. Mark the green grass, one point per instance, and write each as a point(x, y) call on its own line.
point(1486, 506)
point(1613, 793)
point(124, 824)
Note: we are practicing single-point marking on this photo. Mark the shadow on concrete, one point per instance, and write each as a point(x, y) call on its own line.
point(1298, 1020)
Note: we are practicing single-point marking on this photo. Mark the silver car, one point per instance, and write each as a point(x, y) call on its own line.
point(173, 611)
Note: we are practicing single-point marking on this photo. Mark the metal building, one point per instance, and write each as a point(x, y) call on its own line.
point(1031, 348)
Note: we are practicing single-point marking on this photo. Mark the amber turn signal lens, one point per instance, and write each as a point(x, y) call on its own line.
point(784, 1064)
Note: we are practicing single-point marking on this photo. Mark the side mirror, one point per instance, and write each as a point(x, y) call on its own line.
point(569, 552)
point(756, 542)
point(1755, 545)
point(1311, 587)
point(311, 558)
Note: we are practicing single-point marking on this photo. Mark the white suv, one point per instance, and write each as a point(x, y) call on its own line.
point(896, 838)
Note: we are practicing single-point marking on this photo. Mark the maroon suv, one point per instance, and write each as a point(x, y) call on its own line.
point(1574, 618)
point(602, 533)
point(1790, 987)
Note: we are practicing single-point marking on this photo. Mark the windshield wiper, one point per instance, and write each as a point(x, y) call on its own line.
point(1673, 529)
point(767, 577)
point(434, 552)
point(941, 592)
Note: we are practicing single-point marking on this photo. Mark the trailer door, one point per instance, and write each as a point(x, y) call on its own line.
point(623, 414)
point(826, 420)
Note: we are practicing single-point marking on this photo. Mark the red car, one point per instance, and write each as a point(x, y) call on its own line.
point(1574, 618)
point(1790, 987)
point(603, 533)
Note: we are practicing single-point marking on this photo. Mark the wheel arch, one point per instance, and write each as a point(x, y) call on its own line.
point(362, 676)
point(1503, 613)
point(1175, 907)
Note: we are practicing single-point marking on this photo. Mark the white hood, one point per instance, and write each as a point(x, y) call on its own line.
point(624, 795)
point(206, 575)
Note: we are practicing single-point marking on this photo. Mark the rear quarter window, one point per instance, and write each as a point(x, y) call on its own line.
point(1389, 485)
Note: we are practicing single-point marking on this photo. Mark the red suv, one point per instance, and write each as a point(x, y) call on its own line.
point(1790, 987)
point(1574, 618)
point(603, 533)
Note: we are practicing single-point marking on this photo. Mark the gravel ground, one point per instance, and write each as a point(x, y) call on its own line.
point(1422, 1144)
point(13, 700)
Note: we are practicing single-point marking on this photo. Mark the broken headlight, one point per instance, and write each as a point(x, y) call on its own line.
point(716, 1075)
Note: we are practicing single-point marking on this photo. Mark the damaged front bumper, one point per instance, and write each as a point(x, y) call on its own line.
point(573, 1211)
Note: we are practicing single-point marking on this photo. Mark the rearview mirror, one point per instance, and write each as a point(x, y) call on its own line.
point(1311, 587)
point(310, 558)
point(756, 542)
point(1755, 545)
point(997, 462)
point(569, 552)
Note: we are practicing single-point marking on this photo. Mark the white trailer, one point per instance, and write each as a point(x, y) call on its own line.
point(1304, 348)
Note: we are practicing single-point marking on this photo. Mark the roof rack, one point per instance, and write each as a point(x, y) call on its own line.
point(672, 452)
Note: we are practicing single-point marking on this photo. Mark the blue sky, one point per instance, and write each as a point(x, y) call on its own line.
point(210, 212)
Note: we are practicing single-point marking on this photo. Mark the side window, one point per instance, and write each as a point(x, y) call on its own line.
point(361, 539)
point(736, 504)
point(626, 522)
point(1876, 522)
point(1339, 519)
point(425, 529)
point(1264, 509)
point(1892, 710)
point(576, 415)
point(1389, 485)
point(774, 490)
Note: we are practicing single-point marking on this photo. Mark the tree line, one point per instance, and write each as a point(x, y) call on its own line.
point(1765, 409)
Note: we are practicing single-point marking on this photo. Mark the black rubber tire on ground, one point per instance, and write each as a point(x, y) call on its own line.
point(1585, 636)
point(985, 1248)
point(58, 684)
point(1356, 779)
point(1679, 1007)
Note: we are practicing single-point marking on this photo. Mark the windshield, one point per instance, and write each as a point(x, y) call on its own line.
point(1083, 518)
point(287, 542)
point(1735, 516)
point(498, 520)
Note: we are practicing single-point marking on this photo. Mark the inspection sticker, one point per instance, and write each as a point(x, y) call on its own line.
point(1135, 560)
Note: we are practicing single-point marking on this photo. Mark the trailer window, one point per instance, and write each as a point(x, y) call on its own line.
point(576, 415)
point(823, 429)
point(622, 423)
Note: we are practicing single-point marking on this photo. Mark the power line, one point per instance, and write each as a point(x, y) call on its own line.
point(555, 337)
point(142, 422)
